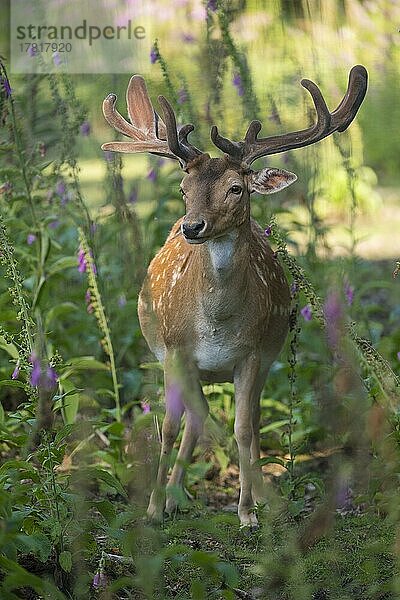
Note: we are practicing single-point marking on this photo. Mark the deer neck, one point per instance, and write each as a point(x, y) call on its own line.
point(225, 259)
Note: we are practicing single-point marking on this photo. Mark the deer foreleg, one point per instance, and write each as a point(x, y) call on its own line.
point(247, 391)
point(173, 413)
point(195, 414)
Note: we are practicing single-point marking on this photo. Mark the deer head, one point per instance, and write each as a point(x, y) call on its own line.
point(217, 190)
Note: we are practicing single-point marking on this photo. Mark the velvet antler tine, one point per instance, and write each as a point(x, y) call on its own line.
point(178, 143)
point(326, 123)
point(133, 147)
point(147, 130)
point(170, 124)
point(114, 118)
point(183, 141)
point(234, 149)
point(140, 109)
point(161, 130)
point(323, 114)
point(356, 90)
point(252, 132)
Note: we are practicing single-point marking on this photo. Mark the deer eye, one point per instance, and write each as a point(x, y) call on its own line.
point(236, 189)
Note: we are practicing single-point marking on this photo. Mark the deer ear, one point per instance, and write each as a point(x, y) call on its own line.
point(268, 181)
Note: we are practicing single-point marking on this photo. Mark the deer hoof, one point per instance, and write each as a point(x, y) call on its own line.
point(155, 510)
point(248, 523)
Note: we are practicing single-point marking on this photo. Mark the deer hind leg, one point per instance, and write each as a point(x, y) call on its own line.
point(258, 486)
point(173, 413)
point(248, 387)
point(196, 412)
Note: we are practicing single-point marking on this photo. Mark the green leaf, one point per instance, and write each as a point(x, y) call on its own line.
point(66, 262)
point(274, 425)
point(106, 477)
point(63, 433)
point(19, 465)
point(15, 574)
point(295, 507)
point(44, 248)
point(38, 291)
point(152, 366)
point(87, 362)
point(12, 383)
point(106, 509)
point(9, 348)
point(70, 399)
point(229, 573)
point(36, 543)
point(59, 310)
point(197, 590)
point(81, 363)
point(65, 560)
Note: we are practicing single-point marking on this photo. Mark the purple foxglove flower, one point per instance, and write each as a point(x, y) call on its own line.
point(81, 261)
point(94, 268)
point(398, 356)
point(133, 196)
point(188, 38)
point(50, 379)
point(152, 175)
point(88, 300)
point(349, 292)
point(333, 312)
point(121, 300)
point(145, 407)
point(85, 128)
point(57, 59)
point(237, 82)
point(306, 312)
point(212, 5)
point(96, 580)
point(268, 231)
point(15, 373)
point(65, 198)
point(182, 96)
point(60, 188)
point(6, 86)
point(153, 55)
point(108, 155)
point(36, 369)
point(99, 580)
point(31, 238)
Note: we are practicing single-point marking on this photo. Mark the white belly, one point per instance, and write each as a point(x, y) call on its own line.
point(217, 351)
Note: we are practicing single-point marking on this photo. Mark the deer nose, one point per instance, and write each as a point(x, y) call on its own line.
point(192, 229)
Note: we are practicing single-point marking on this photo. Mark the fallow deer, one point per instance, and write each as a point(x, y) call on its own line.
point(215, 304)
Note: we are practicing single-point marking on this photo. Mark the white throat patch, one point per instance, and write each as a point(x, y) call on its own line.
point(221, 252)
